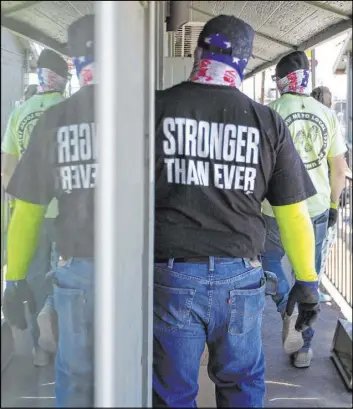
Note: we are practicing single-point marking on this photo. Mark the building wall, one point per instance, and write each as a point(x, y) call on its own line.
point(176, 69)
point(12, 58)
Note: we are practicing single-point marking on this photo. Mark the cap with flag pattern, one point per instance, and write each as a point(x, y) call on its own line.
point(80, 37)
point(51, 60)
point(227, 39)
point(297, 60)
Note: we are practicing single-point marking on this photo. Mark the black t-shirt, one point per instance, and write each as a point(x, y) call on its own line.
point(61, 162)
point(218, 155)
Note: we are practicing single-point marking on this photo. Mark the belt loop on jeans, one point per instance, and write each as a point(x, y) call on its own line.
point(211, 263)
point(171, 263)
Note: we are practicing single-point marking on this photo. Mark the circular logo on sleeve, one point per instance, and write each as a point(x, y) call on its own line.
point(310, 138)
point(25, 129)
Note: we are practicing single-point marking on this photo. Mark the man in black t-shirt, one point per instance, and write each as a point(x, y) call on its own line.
point(218, 155)
point(61, 162)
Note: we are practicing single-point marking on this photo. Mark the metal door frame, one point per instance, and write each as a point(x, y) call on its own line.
point(124, 281)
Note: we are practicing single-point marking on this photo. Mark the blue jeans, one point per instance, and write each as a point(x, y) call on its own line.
point(74, 305)
point(274, 253)
point(220, 304)
point(38, 269)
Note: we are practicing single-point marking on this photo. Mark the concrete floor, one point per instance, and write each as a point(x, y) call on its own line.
point(22, 385)
point(317, 386)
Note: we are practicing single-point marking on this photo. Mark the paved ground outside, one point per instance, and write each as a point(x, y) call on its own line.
point(22, 385)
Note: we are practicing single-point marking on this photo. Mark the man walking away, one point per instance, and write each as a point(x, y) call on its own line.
point(218, 155)
point(60, 161)
point(315, 132)
point(52, 73)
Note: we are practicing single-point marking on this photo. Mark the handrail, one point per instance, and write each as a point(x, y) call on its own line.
point(339, 264)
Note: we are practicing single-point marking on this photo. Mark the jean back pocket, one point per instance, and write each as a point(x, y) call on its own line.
point(70, 306)
point(172, 307)
point(246, 307)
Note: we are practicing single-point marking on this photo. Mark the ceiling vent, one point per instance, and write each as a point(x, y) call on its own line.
point(185, 39)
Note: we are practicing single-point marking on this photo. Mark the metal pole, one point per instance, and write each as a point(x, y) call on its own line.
point(254, 87)
point(349, 104)
point(3, 238)
point(313, 69)
point(160, 13)
point(125, 105)
point(148, 254)
point(263, 79)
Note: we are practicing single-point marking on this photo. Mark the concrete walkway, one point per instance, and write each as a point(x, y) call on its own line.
point(317, 386)
point(22, 385)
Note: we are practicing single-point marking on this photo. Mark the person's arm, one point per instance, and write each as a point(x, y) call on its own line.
point(288, 189)
point(338, 169)
point(297, 236)
point(336, 160)
point(22, 238)
point(32, 184)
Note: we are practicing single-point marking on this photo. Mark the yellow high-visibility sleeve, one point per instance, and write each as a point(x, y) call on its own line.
point(298, 239)
point(22, 238)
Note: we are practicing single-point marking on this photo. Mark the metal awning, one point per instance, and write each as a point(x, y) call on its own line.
point(281, 26)
point(341, 61)
point(45, 22)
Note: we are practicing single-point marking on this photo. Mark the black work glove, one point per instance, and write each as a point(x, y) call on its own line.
point(15, 295)
point(332, 217)
point(306, 295)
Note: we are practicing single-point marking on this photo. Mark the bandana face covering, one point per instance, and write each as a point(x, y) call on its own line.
point(217, 69)
point(296, 82)
point(50, 81)
point(85, 69)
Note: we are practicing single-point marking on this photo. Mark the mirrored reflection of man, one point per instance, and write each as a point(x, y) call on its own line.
point(218, 155)
point(316, 135)
point(52, 73)
point(60, 162)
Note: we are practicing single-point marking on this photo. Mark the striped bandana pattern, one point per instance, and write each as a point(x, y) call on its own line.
point(50, 81)
point(85, 70)
point(296, 82)
point(218, 69)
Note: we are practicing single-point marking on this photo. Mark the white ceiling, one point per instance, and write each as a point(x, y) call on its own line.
point(280, 26)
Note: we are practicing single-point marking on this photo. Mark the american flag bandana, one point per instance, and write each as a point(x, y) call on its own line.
point(85, 70)
point(296, 82)
point(218, 69)
point(50, 81)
